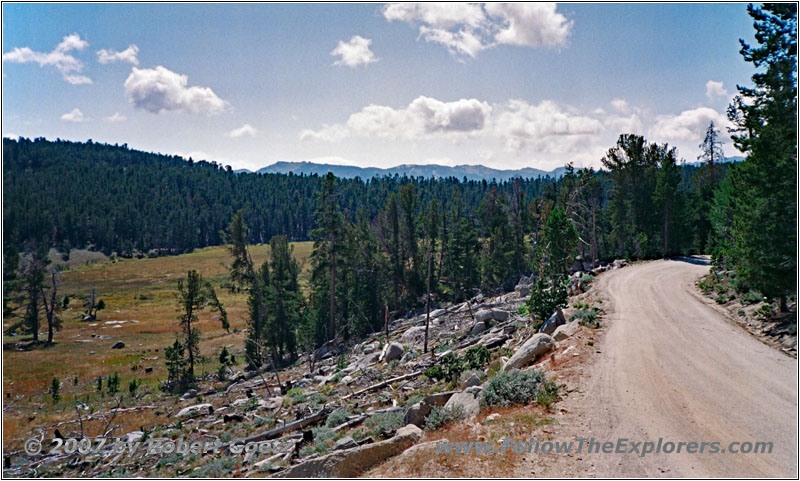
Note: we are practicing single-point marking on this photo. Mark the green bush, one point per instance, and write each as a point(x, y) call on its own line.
point(218, 468)
point(752, 297)
point(323, 436)
point(517, 387)
point(384, 422)
point(545, 300)
point(476, 356)
point(586, 316)
point(337, 417)
point(441, 416)
point(765, 311)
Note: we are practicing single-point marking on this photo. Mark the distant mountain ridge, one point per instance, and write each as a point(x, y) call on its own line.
point(471, 172)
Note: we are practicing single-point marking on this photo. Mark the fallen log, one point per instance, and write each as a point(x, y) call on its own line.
point(383, 384)
point(293, 426)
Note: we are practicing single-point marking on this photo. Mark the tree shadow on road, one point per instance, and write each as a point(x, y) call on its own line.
point(697, 260)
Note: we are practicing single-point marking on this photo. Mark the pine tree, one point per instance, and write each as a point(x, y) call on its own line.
point(284, 299)
point(764, 207)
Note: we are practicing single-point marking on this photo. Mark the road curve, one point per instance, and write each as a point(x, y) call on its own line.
point(672, 366)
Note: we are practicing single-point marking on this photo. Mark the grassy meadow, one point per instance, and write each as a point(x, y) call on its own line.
point(141, 311)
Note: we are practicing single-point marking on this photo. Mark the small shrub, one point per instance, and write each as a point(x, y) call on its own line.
point(132, 386)
point(476, 356)
point(765, 311)
point(323, 436)
point(387, 422)
point(545, 300)
point(317, 399)
point(113, 383)
point(218, 468)
point(55, 385)
point(523, 310)
point(751, 297)
point(513, 387)
point(586, 317)
point(337, 417)
point(442, 416)
point(722, 299)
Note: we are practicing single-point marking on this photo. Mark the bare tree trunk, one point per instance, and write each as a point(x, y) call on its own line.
point(386, 323)
point(428, 301)
point(331, 295)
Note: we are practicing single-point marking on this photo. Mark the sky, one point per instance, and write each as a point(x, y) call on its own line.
point(503, 85)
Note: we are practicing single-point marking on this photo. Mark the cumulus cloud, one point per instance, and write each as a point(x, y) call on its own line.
point(354, 52)
point(688, 125)
point(715, 89)
point(424, 117)
point(544, 126)
point(621, 106)
point(530, 24)
point(60, 58)
point(128, 55)
point(73, 116)
point(159, 89)
point(467, 28)
point(116, 118)
point(245, 130)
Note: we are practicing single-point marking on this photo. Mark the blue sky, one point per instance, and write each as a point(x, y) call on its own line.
point(504, 85)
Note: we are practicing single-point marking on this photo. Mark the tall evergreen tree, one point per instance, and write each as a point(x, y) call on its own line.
point(764, 208)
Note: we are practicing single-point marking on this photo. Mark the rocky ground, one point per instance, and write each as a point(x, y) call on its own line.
point(348, 409)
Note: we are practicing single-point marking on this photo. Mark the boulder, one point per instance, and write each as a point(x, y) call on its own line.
point(191, 393)
point(566, 330)
point(468, 401)
point(534, 347)
point(350, 463)
point(118, 345)
point(471, 380)
point(417, 413)
point(555, 320)
point(411, 335)
point(366, 361)
point(478, 328)
point(346, 442)
point(196, 410)
point(490, 341)
point(437, 313)
point(391, 352)
point(523, 291)
point(491, 315)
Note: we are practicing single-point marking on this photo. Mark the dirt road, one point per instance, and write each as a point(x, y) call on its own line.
point(672, 366)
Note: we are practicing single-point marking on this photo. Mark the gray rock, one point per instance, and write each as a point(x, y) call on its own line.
point(411, 335)
point(391, 352)
point(472, 380)
point(132, 437)
point(555, 320)
point(478, 328)
point(534, 347)
point(491, 315)
point(191, 393)
point(196, 410)
point(417, 413)
point(349, 463)
point(493, 340)
point(346, 442)
point(566, 330)
point(439, 398)
point(468, 401)
point(118, 345)
point(437, 313)
point(370, 348)
point(523, 291)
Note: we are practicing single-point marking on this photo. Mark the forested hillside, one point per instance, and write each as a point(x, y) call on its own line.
point(72, 194)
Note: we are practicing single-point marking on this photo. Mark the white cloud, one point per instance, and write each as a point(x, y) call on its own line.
point(245, 130)
point(546, 126)
point(686, 126)
point(159, 89)
point(116, 118)
point(621, 106)
point(59, 58)
point(128, 55)
point(355, 52)
point(530, 24)
point(467, 28)
point(74, 116)
point(424, 117)
point(715, 89)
